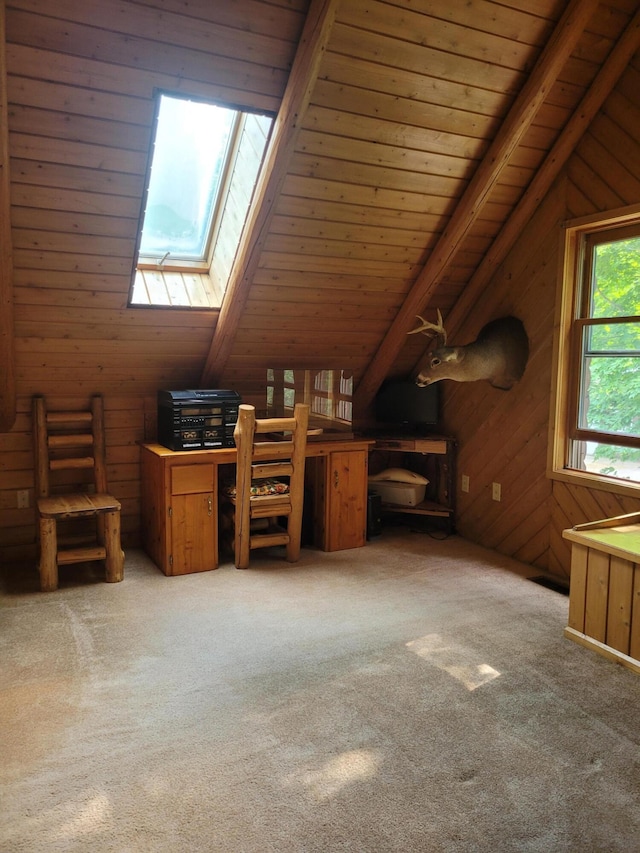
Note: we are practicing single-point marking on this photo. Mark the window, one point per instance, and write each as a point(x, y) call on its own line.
point(331, 395)
point(597, 404)
point(203, 169)
point(328, 393)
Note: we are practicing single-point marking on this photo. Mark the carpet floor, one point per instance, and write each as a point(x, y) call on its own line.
point(414, 695)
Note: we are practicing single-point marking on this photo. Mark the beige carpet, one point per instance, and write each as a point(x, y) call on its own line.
point(413, 695)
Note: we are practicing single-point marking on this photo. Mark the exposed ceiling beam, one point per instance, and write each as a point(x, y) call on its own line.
point(622, 53)
point(520, 117)
point(7, 347)
point(295, 102)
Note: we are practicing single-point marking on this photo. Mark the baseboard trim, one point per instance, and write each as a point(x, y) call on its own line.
point(602, 649)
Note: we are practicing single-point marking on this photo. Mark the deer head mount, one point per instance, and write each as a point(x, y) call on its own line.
point(499, 354)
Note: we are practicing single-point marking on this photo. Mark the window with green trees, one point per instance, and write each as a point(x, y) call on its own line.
point(599, 375)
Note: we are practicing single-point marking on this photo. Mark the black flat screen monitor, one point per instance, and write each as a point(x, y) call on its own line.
point(403, 404)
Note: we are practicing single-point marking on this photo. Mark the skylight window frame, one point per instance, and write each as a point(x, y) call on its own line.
point(202, 276)
point(180, 263)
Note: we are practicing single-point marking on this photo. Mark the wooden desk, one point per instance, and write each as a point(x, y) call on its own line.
point(180, 492)
point(604, 595)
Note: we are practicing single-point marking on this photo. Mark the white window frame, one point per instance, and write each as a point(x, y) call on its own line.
point(570, 321)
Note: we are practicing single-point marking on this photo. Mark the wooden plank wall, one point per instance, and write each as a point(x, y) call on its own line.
point(79, 140)
point(603, 174)
point(503, 436)
point(81, 80)
point(350, 232)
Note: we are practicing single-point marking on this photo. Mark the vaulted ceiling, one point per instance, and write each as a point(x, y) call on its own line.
point(413, 141)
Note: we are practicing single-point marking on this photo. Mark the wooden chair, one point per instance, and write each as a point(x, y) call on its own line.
point(261, 461)
point(71, 485)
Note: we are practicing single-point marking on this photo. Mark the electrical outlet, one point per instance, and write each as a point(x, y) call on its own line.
point(22, 499)
point(496, 491)
point(464, 485)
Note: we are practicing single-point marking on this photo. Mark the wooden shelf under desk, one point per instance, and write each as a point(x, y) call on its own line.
point(437, 464)
point(424, 508)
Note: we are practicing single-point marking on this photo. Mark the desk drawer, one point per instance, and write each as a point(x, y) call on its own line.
point(192, 479)
point(413, 445)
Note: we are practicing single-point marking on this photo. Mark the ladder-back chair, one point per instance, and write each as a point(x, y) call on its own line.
point(265, 468)
point(71, 486)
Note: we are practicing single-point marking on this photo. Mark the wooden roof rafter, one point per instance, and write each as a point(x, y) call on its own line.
point(617, 61)
point(315, 36)
point(551, 61)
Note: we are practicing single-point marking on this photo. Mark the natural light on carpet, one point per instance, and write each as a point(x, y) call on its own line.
point(453, 659)
point(339, 771)
point(88, 817)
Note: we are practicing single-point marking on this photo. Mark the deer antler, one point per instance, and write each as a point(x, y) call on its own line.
point(428, 328)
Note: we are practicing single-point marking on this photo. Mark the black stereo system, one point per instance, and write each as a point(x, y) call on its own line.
point(197, 420)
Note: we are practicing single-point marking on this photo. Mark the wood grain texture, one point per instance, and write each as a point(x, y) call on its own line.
point(406, 101)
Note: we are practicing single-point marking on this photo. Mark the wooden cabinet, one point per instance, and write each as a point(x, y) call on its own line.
point(192, 519)
point(180, 511)
point(180, 501)
point(431, 456)
point(604, 595)
point(339, 482)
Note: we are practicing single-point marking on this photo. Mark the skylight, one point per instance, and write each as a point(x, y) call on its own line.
point(189, 153)
point(205, 162)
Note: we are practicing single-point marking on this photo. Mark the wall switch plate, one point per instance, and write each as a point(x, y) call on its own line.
point(496, 491)
point(464, 484)
point(22, 500)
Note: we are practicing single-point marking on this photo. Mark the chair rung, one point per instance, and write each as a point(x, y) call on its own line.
point(276, 512)
point(267, 540)
point(269, 500)
point(264, 426)
point(84, 439)
point(59, 418)
point(272, 450)
point(77, 462)
point(266, 509)
point(82, 555)
point(271, 469)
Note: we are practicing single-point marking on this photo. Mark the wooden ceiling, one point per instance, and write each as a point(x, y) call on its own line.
point(423, 135)
point(414, 139)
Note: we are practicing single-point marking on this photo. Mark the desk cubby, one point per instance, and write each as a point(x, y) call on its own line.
point(431, 456)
